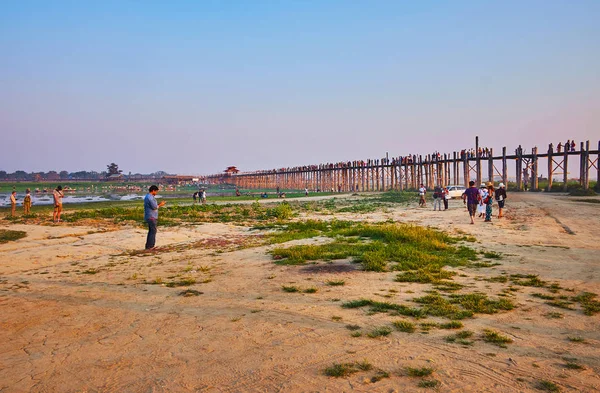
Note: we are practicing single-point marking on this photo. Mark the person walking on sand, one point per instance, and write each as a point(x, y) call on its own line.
point(422, 192)
point(203, 196)
point(58, 195)
point(151, 215)
point(488, 202)
point(500, 198)
point(483, 192)
point(471, 199)
point(13, 204)
point(27, 201)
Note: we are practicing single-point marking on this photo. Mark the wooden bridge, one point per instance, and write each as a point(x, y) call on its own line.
point(408, 172)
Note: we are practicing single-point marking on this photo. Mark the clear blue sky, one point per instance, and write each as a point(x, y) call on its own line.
point(196, 86)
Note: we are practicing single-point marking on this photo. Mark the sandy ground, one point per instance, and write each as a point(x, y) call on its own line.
point(80, 310)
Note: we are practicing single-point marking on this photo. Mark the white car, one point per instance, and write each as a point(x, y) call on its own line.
point(456, 191)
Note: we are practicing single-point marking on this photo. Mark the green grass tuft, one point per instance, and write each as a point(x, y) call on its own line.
point(7, 235)
point(547, 386)
point(419, 372)
point(494, 337)
point(381, 331)
point(404, 326)
point(429, 383)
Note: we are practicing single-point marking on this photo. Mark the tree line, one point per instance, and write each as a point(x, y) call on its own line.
point(111, 169)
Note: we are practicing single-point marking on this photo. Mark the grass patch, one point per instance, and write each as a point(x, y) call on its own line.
point(90, 271)
point(527, 280)
point(451, 325)
point(560, 304)
point(576, 339)
point(573, 366)
point(458, 307)
point(419, 372)
point(484, 264)
point(190, 292)
point(336, 283)
point(404, 326)
point(425, 276)
point(460, 338)
point(339, 370)
point(7, 235)
point(310, 290)
point(494, 337)
point(480, 303)
point(492, 255)
point(353, 327)
point(184, 282)
point(547, 386)
point(500, 279)
point(542, 296)
point(448, 286)
point(290, 288)
point(554, 315)
point(378, 247)
point(381, 331)
point(588, 302)
point(384, 307)
point(429, 383)
point(379, 375)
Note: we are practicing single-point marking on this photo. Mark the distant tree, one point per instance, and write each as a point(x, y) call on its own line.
point(113, 169)
point(21, 175)
point(64, 175)
point(3, 174)
point(52, 175)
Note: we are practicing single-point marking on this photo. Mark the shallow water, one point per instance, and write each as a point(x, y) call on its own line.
point(46, 199)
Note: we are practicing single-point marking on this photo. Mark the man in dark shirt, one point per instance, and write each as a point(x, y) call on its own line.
point(501, 198)
point(471, 199)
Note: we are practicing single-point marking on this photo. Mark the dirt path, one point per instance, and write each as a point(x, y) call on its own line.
point(83, 311)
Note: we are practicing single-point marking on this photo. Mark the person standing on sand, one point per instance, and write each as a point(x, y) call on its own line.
point(446, 198)
point(488, 202)
point(500, 198)
point(194, 195)
point(151, 215)
point(422, 192)
point(438, 195)
point(13, 203)
point(305, 191)
point(58, 196)
point(203, 196)
point(27, 201)
point(471, 199)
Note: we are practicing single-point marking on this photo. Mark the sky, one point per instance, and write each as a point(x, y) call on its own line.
point(191, 87)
